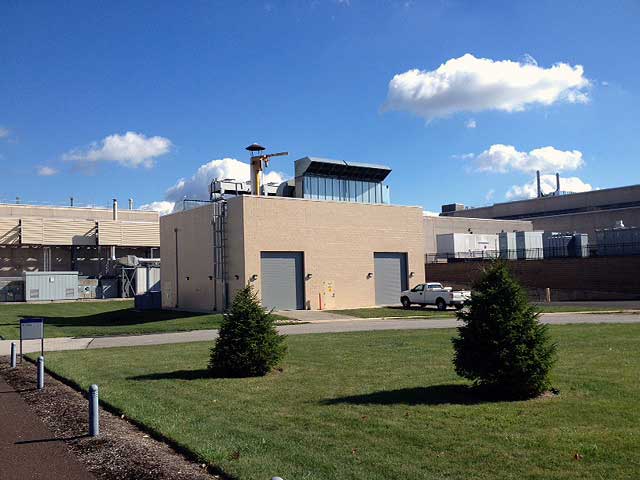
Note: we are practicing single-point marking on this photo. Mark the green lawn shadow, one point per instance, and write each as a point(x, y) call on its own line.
point(454, 394)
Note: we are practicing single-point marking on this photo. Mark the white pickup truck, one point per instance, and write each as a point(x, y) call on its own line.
point(433, 293)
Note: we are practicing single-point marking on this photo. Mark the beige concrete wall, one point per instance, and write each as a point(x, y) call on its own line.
point(338, 240)
point(30, 225)
point(584, 200)
point(434, 226)
point(195, 287)
point(588, 222)
point(79, 213)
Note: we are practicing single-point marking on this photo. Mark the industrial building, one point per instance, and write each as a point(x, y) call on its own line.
point(333, 241)
point(453, 237)
point(584, 212)
point(70, 239)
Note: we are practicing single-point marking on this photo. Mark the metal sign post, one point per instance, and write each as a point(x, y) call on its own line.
point(32, 329)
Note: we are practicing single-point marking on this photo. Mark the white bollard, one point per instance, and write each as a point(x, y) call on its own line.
point(40, 373)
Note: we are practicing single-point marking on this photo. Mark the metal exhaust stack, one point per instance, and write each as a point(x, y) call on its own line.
point(115, 209)
point(557, 183)
point(258, 162)
point(71, 201)
point(131, 204)
point(538, 180)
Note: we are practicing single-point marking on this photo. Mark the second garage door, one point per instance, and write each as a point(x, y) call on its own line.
point(282, 285)
point(390, 273)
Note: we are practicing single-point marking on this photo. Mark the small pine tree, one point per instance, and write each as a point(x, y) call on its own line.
point(248, 344)
point(502, 345)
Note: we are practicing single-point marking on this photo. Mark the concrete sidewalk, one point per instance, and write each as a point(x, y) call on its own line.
point(349, 324)
point(28, 449)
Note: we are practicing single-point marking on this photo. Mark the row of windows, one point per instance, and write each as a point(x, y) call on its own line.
point(328, 188)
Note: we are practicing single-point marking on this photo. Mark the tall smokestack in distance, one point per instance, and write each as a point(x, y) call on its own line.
point(558, 183)
point(538, 180)
point(131, 204)
point(115, 209)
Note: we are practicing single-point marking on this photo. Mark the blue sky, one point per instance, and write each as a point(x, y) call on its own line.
point(198, 81)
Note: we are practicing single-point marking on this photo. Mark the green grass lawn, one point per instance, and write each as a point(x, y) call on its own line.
point(574, 308)
point(378, 312)
point(382, 405)
point(89, 319)
point(431, 312)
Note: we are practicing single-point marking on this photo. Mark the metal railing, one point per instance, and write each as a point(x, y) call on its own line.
point(605, 250)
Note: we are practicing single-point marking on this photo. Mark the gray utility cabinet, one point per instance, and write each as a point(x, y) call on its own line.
point(529, 245)
point(507, 245)
point(40, 286)
point(282, 284)
point(390, 274)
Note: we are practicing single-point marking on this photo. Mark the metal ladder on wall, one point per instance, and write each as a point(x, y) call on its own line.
point(219, 250)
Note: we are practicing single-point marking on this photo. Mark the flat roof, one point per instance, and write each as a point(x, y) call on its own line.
point(341, 168)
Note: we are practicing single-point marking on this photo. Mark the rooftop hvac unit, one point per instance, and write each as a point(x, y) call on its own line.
point(529, 246)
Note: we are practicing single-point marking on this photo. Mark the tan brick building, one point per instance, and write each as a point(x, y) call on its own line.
point(339, 252)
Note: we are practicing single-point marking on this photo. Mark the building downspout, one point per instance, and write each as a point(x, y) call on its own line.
point(175, 230)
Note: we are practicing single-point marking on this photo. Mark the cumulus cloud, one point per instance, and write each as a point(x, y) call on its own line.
point(501, 158)
point(45, 171)
point(470, 84)
point(4, 132)
point(471, 123)
point(197, 186)
point(548, 185)
point(130, 150)
point(163, 207)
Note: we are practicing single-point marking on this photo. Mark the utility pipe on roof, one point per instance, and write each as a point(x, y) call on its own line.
point(131, 204)
point(115, 209)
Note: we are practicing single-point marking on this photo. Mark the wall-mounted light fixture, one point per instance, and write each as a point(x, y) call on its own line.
point(237, 277)
point(308, 276)
point(187, 278)
point(369, 275)
point(210, 277)
point(412, 274)
point(254, 277)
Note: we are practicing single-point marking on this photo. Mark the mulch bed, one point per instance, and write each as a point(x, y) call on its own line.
point(122, 451)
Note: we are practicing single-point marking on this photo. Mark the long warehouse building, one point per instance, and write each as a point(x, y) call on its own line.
point(45, 238)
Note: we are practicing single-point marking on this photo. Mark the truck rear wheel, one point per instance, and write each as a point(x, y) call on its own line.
point(441, 304)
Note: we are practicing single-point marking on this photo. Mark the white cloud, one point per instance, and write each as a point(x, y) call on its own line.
point(163, 207)
point(45, 171)
point(4, 132)
point(471, 123)
point(504, 158)
point(490, 194)
point(130, 150)
point(429, 213)
point(470, 84)
point(196, 187)
point(548, 185)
